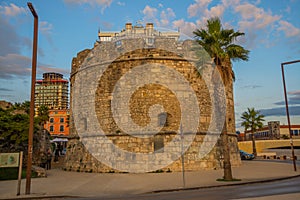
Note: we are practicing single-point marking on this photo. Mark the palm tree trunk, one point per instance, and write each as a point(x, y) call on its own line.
point(253, 144)
point(226, 153)
point(224, 134)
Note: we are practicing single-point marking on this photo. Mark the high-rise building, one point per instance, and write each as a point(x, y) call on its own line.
point(52, 91)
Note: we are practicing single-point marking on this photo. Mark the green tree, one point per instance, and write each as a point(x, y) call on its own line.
point(13, 130)
point(14, 127)
point(254, 120)
point(26, 106)
point(220, 44)
point(43, 114)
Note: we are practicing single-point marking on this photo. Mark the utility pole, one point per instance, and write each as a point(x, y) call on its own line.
point(287, 110)
point(31, 116)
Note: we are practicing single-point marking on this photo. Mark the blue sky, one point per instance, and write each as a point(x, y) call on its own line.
point(68, 26)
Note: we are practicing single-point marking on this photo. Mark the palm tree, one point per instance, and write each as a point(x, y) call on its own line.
point(253, 119)
point(219, 44)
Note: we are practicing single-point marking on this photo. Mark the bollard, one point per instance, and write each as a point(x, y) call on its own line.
point(284, 157)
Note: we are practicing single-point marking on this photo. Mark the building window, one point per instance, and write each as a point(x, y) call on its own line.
point(62, 120)
point(296, 133)
point(51, 120)
point(51, 128)
point(162, 119)
point(84, 120)
point(61, 128)
point(159, 144)
point(118, 43)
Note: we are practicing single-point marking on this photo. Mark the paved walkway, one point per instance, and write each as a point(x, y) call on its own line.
point(63, 183)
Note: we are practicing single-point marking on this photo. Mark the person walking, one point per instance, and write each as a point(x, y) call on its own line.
point(49, 159)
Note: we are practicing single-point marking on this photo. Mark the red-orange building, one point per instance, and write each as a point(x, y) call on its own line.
point(58, 123)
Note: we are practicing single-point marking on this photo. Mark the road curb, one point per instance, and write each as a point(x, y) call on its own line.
point(41, 197)
point(225, 185)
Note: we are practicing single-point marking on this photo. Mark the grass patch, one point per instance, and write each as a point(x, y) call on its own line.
point(234, 179)
point(11, 173)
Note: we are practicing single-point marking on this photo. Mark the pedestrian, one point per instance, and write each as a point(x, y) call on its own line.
point(56, 155)
point(43, 160)
point(49, 159)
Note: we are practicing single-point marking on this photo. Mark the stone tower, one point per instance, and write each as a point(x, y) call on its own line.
point(140, 99)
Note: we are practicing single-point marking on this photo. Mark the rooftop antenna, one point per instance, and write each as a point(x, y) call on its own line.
point(98, 33)
point(139, 23)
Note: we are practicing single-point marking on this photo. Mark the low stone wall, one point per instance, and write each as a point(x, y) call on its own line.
point(261, 145)
point(80, 159)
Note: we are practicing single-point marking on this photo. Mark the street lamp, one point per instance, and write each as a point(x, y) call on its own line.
point(287, 110)
point(31, 116)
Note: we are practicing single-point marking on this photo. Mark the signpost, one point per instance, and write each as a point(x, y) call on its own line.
point(13, 160)
point(182, 155)
point(9, 159)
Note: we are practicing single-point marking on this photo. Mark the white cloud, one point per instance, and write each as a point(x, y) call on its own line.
point(103, 3)
point(166, 16)
point(185, 27)
point(121, 3)
point(198, 7)
point(162, 20)
point(12, 10)
point(46, 68)
point(216, 11)
point(296, 92)
point(201, 9)
point(45, 27)
point(228, 3)
point(254, 20)
point(150, 15)
point(12, 65)
point(254, 17)
point(170, 12)
point(19, 66)
point(160, 5)
point(288, 29)
point(149, 12)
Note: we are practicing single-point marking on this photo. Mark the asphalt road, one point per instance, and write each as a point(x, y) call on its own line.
point(277, 188)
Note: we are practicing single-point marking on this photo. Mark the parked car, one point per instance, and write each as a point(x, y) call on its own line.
point(246, 156)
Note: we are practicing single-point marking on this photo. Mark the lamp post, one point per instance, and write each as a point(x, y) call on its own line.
point(287, 110)
point(31, 116)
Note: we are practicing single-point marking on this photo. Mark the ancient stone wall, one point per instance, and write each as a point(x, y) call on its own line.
point(87, 152)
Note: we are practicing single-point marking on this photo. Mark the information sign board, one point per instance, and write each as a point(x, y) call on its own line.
point(9, 159)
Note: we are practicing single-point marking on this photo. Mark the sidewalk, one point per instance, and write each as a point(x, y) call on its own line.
point(63, 183)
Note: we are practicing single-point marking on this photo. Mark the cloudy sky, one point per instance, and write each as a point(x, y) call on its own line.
point(68, 26)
